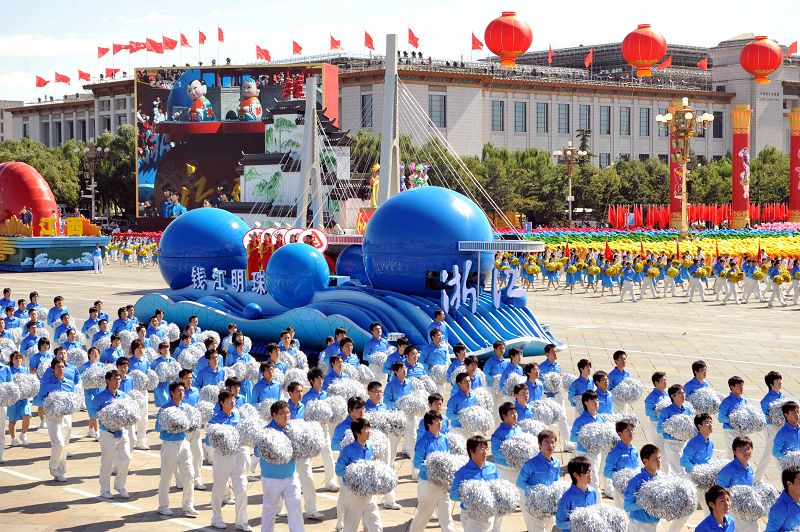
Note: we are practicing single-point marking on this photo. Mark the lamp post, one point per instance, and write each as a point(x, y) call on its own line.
point(570, 156)
point(682, 126)
point(91, 154)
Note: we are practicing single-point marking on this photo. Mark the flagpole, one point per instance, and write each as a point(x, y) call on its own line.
point(180, 47)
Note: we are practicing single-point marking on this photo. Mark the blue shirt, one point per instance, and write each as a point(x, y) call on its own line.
point(709, 524)
point(163, 434)
point(265, 390)
point(573, 498)
point(12, 322)
point(442, 326)
point(297, 411)
point(606, 402)
point(735, 474)
point(471, 471)
point(431, 355)
point(501, 434)
point(694, 385)
point(192, 396)
point(339, 432)
point(784, 516)
point(141, 364)
point(787, 439)
point(28, 342)
point(427, 443)
point(391, 359)
point(495, 366)
point(103, 399)
point(278, 471)
point(395, 390)
point(40, 358)
point(100, 334)
point(126, 385)
point(210, 376)
point(535, 390)
point(548, 367)
point(352, 453)
point(54, 314)
point(631, 506)
point(219, 417)
point(584, 419)
point(111, 354)
point(120, 324)
point(768, 399)
point(650, 403)
point(458, 402)
point(509, 369)
point(698, 451)
point(328, 352)
point(538, 470)
point(5, 302)
point(375, 346)
point(668, 412)
point(452, 367)
point(615, 376)
point(370, 406)
point(620, 457)
point(445, 430)
point(523, 411)
point(332, 376)
point(58, 331)
point(728, 405)
point(53, 385)
point(313, 395)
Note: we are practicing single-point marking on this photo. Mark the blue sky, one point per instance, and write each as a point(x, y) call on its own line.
point(63, 36)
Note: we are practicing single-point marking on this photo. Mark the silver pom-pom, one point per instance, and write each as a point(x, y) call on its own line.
point(661, 405)
point(307, 437)
point(512, 380)
point(43, 366)
point(28, 385)
point(542, 501)
point(364, 375)
point(598, 518)
point(77, 357)
point(531, 426)
point(152, 380)
point(119, 414)
point(238, 370)
point(630, 417)
point(567, 379)
point(126, 337)
point(251, 429)
point(478, 500)
point(519, 449)
point(150, 354)
point(193, 415)
point(747, 504)
point(173, 420)
point(598, 437)
point(206, 410)
point(209, 393)
point(366, 478)
point(81, 397)
point(438, 374)
point(265, 409)
point(790, 460)
point(456, 443)
point(388, 421)
point(189, 357)
point(767, 493)
point(61, 403)
point(91, 331)
point(483, 397)
point(338, 408)
point(775, 412)
point(294, 375)
point(456, 372)
point(209, 334)
point(277, 375)
point(379, 441)
point(476, 419)
point(680, 426)
point(413, 404)
point(319, 411)
point(254, 371)
point(349, 370)
point(629, 390)
point(248, 411)
point(167, 371)
point(705, 400)
point(506, 496)
point(300, 359)
point(494, 383)
point(546, 411)
point(552, 382)
point(378, 358)
point(156, 339)
point(287, 359)
point(103, 343)
point(621, 478)
point(94, 377)
point(668, 497)
point(705, 475)
point(347, 388)
point(224, 438)
point(9, 393)
point(138, 396)
point(442, 468)
point(747, 419)
point(274, 447)
point(139, 379)
point(173, 333)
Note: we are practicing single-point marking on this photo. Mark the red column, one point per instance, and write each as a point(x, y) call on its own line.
point(740, 180)
point(794, 165)
point(675, 178)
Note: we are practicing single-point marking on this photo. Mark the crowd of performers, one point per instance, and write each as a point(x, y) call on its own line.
point(141, 251)
point(484, 436)
point(729, 278)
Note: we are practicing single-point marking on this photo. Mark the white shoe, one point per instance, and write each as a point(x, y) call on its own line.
point(199, 486)
point(107, 495)
point(60, 478)
point(90, 433)
point(165, 511)
point(569, 447)
point(219, 525)
point(282, 513)
point(393, 506)
point(190, 512)
point(227, 500)
point(142, 446)
point(245, 527)
point(15, 442)
point(43, 424)
point(124, 494)
point(332, 487)
point(23, 439)
point(317, 516)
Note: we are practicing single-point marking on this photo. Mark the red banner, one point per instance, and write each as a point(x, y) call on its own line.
point(794, 165)
point(362, 219)
point(740, 178)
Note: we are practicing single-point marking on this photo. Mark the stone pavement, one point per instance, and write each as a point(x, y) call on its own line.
point(668, 335)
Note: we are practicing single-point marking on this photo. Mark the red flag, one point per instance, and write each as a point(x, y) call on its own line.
point(119, 47)
point(368, 41)
point(220, 35)
point(169, 44)
point(587, 61)
point(61, 78)
point(185, 41)
point(262, 53)
point(759, 250)
point(413, 40)
point(641, 247)
point(609, 255)
point(134, 46)
point(101, 51)
point(41, 82)
point(703, 64)
point(201, 37)
point(83, 75)
point(154, 46)
point(476, 43)
point(611, 215)
point(111, 71)
point(666, 64)
point(792, 49)
point(566, 249)
point(550, 54)
point(296, 48)
point(335, 45)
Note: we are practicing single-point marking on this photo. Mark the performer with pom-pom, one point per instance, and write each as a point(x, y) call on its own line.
point(513, 367)
point(700, 372)
point(700, 449)
point(397, 388)
point(507, 429)
point(214, 373)
point(461, 399)
point(352, 509)
point(658, 393)
point(161, 394)
point(266, 387)
point(59, 427)
point(590, 414)
point(784, 515)
point(191, 397)
point(436, 352)
point(239, 356)
point(304, 473)
point(21, 410)
point(641, 521)
point(138, 362)
point(616, 376)
point(718, 500)
point(175, 453)
point(280, 480)
point(673, 447)
point(477, 468)
point(90, 371)
point(623, 456)
point(376, 344)
point(788, 437)
point(533, 383)
point(430, 496)
point(316, 393)
point(376, 407)
point(542, 469)
point(774, 382)
point(493, 369)
point(581, 384)
point(115, 447)
point(580, 494)
point(739, 472)
point(551, 365)
point(729, 404)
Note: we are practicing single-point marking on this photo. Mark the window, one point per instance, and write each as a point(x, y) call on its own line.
point(520, 117)
point(25, 131)
point(563, 118)
point(106, 124)
point(644, 156)
point(702, 133)
point(605, 120)
point(121, 103)
point(121, 121)
point(662, 131)
point(542, 118)
point(498, 110)
point(366, 110)
point(584, 116)
point(605, 160)
point(717, 127)
point(437, 109)
point(105, 105)
point(45, 136)
point(720, 88)
point(625, 121)
point(644, 121)
point(716, 158)
point(664, 158)
point(625, 156)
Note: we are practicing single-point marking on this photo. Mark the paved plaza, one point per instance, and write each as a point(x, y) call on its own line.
point(665, 334)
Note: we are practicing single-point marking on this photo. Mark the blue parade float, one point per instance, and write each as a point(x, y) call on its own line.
point(409, 266)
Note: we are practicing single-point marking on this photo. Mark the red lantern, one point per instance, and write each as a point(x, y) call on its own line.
point(760, 58)
point(507, 37)
point(643, 48)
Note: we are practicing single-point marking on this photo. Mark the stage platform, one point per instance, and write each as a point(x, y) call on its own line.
point(48, 254)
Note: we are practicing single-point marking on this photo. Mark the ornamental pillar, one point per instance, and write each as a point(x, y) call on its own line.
point(740, 179)
point(794, 165)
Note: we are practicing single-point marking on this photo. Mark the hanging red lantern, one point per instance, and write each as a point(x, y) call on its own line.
point(507, 37)
point(761, 57)
point(643, 48)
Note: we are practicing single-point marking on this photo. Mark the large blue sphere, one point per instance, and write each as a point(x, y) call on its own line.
point(295, 272)
point(415, 235)
point(350, 262)
point(206, 237)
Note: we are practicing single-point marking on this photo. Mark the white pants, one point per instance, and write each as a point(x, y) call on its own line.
point(306, 477)
point(649, 285)
point(394, 441)
point(658, 441)
point(327, 458)
point(669, 285)
point(746, 526)
point(627, 287)
point(594, 461)
point(730, 435)
point(196, 448)
point(619, 498)
point(59, 428)
point(431, 497)
point(288, 489)
point(795, 290)
point(673, 449)
point(731, 293)
point(534, 524)
point(769, 436)
point(357, 510)
point(141, 425)
point(229, 467)
point(777, 293)
point(696, 287)
point(410, 435)
point(509, 474)
point(114, 451)
point(473, 525)
point(638, 526)
point(98, 264)
point(752, 287)
point(562, 420)
point(175, 457)
point(720, 287)
point(3, 433)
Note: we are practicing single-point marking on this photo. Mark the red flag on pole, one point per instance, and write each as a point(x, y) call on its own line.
point(792, 49)
point(296, 48)
point(118, 48)
point(101, 51)
point(201, 37)
point(61, 78)
point(759, 250)
point(185, 41)
point(641, 247)
point(611, 215)
point(41, 82)
point(220, 35)
point(111, 71)
point(169, 44)
point(335, 45)
point(134, 46)
point(154, 46)
point(566, 249)
point(550, 54)
point(83, 75)
point(476, 43)
point(413, 40)
point(368, 41)
point(667, 63)
point(262, 53)
point(609, 255)
point(587, 61)
point(703, 64)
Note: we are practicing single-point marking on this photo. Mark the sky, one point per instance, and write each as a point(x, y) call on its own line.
point(64, 36)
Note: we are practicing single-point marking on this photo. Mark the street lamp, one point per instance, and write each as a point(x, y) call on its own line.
point(91, 154)
point(570, 156)
point(683, 124)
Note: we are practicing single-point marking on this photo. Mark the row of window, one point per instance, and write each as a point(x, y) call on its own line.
point(604, 159)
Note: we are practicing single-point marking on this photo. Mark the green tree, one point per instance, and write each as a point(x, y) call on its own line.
point(769, 177)
point(116, 172)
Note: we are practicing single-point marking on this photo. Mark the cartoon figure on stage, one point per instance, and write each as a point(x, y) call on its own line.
point(200, 110)
point(249, 105)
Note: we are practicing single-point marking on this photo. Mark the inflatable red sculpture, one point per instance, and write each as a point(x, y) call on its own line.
point(22, 186)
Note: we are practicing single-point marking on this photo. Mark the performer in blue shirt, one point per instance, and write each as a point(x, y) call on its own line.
point(513, 366)
point(102, 331)
point(31, 339)
point(590, 414)
point(580, 494)
point(58, 427)
point(535, 387)
point(738, 472)
point(121, 323)
point(279, 481)
point(700, 449)
point(507, 429)
point(700, 370)
point(784, 516)
point(544, 469)
point(112, 353)
point(413, 367)
point(788, 437)
point(335, 371)
point(316, 393)
point(399, 386)
point(22, 311)
point(55, 312)
point(651, 458)
point(430, 497)
point(718, 500)
point(7, 300)
point(605, 397)
point(460, 352)
point(91, 321)
point(551, 365)
point(376, 344)
point(460, 399)
point(266, 387)
point(477, 468)
point(356, 409)
point(521, 396)
point(213, 374)
point(774, 382)
point(673, 448)
point(623, 456)
point(616, 376)
point(435, 404)
point(440, 324)
point(497, 363)
point(397, 356)
point(175, 456)
point(61, 328)
point(659, 392)
point(239, 356)
point(115, 447)
point(436, 352)
point(352, 509)
point(728, 405)
point(334, 348)
point(21, 410)
point(10, 321)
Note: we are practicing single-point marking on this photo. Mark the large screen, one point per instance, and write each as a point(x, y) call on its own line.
point(195, 123)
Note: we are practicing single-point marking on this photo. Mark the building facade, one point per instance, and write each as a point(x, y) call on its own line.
point(7, 119)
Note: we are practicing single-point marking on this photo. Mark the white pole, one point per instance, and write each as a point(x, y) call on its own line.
point(390, 145)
